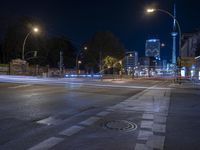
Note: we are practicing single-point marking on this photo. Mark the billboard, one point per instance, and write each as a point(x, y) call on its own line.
point(186, 61)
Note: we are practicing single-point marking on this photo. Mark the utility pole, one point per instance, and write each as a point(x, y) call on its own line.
point(100, 61)
point(61, 62)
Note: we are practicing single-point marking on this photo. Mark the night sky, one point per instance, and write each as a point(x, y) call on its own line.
point(79, 19)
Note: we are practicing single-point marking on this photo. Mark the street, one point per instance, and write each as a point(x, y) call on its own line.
point(88, 115)
point(100, 75)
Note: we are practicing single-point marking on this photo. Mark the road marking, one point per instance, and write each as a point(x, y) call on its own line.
point(142, 147)
point(19, 86)
point(148, 116)
point(49, 121)
point(47, 144)
point(156, 142)
point(72, 130)
point(103, 113)
point(147, 124)
point(41, 89)
point(89, 121)
point(144, 135)
point(161, 128)
point(160, 119)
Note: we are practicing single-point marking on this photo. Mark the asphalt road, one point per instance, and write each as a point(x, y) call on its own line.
point(85, 115)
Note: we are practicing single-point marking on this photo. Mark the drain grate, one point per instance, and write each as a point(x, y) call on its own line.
point(120, 125)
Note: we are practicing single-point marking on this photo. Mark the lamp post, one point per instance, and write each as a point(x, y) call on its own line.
point(79, 62)
point(151, 10)
point(23, 47)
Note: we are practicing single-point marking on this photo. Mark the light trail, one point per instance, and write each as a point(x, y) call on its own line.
point(29, 80)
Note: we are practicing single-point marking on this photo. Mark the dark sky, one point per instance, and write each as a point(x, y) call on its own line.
point(79, 19)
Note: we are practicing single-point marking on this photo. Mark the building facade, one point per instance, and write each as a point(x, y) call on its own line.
point(130, 61)
point(189, 44)
point(190, 49)
point(152, 48)
point(147, 66)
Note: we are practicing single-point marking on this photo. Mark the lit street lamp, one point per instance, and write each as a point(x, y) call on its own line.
point(151, 10)
point(23, 47)
point(77, 61)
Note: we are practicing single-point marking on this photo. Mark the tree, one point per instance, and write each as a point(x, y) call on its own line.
point(99, 46)
point(15, 34)
point(48, 49)
point(109, 61)
point(57, 44)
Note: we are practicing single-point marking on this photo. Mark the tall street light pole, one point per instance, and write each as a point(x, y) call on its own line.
point(23, 47)
point(77, 62)
point(178, 25)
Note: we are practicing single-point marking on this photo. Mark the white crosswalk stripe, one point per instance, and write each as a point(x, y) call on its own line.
point(20, 86)
point(47, 144)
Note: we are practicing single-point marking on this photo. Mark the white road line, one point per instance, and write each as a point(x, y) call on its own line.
point(103, 113)
point(148, 116)
point(49, 121)
point(47, 144)
point(122, 86)
point(72, 130)
point(161, 128)
point(41, 89)
point(156, 142)
point(144, 135)
point(160, 119)
point(147, 124)
point(19, 86)
point(142, 147)
point(89, 121)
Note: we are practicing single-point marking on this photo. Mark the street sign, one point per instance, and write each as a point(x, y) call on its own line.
point(186, 61)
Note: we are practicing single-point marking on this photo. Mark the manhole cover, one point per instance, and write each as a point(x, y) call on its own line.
point(120, 125)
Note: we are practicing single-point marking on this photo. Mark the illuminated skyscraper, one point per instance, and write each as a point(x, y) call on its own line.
point(152, 48)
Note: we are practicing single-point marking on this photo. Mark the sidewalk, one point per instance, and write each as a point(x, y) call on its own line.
point(186, 85)
point(183, 123)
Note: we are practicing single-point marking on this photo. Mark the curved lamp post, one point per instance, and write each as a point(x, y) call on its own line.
point(23, 47)
point(151, 10)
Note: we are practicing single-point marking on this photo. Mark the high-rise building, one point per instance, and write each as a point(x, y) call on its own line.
point(130, 61)
point(152, 48)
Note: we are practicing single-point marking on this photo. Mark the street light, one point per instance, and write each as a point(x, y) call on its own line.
point(77, 61)
point(35, 29)
point(151, 10)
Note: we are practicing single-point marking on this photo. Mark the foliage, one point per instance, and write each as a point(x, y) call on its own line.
point(109, 61)
point(15, 35)
point(101, 45)
point(57, 44)
point(48, 48)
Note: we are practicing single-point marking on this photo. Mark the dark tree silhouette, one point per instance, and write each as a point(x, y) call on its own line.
point(99, 46)
point(15, 34)
point(57, 44)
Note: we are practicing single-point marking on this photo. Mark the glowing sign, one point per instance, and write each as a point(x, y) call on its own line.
point(152, 40)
